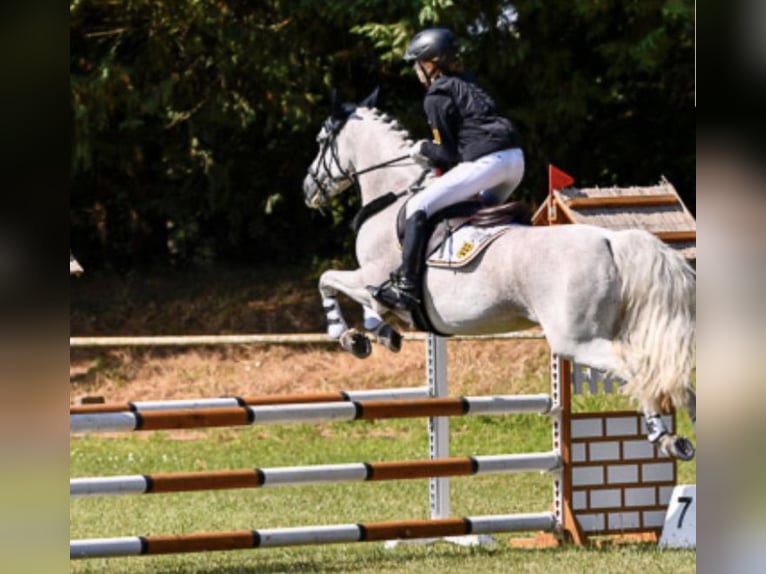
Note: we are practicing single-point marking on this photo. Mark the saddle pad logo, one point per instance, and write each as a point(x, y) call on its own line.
point(462, 246)
point(465, 250)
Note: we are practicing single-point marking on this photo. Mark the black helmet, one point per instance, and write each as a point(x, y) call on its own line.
point(436, 44)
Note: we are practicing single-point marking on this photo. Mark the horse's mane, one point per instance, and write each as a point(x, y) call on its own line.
point(390, 126)
point(389, 122)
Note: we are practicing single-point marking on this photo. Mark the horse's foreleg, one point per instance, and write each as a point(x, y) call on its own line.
point(350, 283)
point(330, 284)
point(336, 324)
point(384, 333)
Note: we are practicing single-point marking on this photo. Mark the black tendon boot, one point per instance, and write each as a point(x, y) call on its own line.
point(402, 291)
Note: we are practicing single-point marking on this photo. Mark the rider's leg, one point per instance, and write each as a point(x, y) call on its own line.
point(403, 291)
point(499, 194)
point(459, 184)
point(502, 170)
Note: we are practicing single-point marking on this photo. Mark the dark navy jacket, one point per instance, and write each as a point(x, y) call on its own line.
point(464, 122)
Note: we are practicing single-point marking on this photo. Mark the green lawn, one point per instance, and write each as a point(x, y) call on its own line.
point(270, 446)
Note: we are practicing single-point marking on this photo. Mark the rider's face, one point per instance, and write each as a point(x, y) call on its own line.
point(424, 70)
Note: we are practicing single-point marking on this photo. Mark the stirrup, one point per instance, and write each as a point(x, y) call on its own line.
point(393, 295)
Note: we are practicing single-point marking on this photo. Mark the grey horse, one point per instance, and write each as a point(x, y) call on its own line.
point(621, 301)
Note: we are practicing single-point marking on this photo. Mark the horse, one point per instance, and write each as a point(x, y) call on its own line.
point(621, 301)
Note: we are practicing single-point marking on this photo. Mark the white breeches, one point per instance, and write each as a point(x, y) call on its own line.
point(500, 172)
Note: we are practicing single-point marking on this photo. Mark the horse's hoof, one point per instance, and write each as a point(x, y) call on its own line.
point(390, 338)
point(358, 344)
point(679, 447)
point(684, 448)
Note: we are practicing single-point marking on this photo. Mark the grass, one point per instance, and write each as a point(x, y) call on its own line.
point(331, 504)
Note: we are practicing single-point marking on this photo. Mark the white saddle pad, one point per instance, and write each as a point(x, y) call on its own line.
point(463, 245)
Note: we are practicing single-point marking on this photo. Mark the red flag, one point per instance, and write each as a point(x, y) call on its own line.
point(558, 179)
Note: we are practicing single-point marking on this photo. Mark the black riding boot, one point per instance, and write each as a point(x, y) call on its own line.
point(402, 291)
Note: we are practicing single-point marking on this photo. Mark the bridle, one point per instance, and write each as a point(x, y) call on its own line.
point(328, 154)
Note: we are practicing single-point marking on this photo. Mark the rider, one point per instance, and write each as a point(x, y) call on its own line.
point(476, 149)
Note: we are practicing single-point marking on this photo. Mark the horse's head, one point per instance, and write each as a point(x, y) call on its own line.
point(331, 172)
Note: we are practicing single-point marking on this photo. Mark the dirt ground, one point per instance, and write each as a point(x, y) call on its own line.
point(124, 375)
point(245, 302)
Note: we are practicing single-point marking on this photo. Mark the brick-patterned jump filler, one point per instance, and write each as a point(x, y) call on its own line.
point(613, 481)
point(620, 482)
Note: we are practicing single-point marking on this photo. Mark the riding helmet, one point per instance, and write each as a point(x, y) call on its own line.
point(434, 44)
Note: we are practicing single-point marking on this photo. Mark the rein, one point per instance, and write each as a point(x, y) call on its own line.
point(379, 165)
point(325, 159)
point(328, 155)
point(380, 203)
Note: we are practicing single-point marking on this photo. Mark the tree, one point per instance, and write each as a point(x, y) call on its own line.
point(194, 121)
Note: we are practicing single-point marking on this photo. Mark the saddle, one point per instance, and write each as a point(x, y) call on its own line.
point(445, 222)
point(514, 212)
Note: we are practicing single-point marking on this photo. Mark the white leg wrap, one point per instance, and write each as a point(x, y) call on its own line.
point(371, 319)
point(655, 427)
point(336, 325)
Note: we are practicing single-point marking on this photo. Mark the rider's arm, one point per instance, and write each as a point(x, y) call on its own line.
point(443, 118)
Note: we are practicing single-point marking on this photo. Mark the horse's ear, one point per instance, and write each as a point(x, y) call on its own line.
point(372, 100)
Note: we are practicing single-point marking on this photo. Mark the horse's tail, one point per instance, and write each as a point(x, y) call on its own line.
point(657, 339)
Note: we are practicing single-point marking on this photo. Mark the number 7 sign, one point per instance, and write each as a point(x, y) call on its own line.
point(680, 529)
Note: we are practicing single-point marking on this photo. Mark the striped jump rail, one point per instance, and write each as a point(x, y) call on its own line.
point(309, 413)
point(310, 475)
point(264, 339)
point(252, 401)
point(340, 533)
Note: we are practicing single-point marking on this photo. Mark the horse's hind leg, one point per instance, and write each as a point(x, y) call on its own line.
point(691, 408)
point(672, 444)
point(599, 354)
point(596, 353)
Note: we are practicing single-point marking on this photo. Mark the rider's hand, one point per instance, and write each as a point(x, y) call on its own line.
point(416, 154)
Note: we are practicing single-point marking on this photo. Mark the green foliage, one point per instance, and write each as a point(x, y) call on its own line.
point(194, 122)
